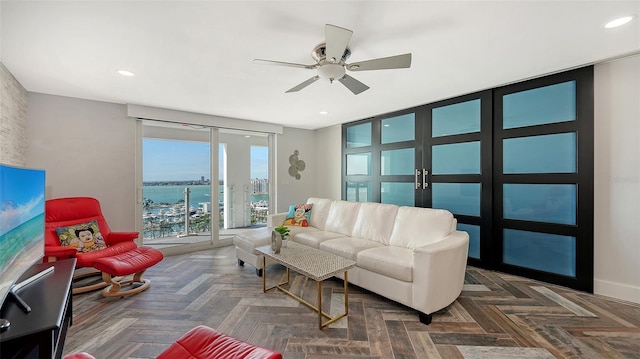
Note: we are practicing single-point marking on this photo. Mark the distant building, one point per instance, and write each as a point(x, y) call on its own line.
point(260, 185)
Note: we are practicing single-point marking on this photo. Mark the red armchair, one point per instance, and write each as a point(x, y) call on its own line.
point(62, 212)
point(203, 342)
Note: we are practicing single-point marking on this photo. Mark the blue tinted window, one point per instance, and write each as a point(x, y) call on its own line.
point(397, 162)
point(474, 238)
point(359, 191)
point(399, 193)
point(555, 203)
point(546, 252)
point(359, 135)
point(540, 154)
point(458, 198)
point(398, 129)
point(359, 164)
point(454, 119)
point(549, 104)
point(457, 158)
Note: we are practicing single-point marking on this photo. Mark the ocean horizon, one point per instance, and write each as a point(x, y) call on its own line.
point(172, 194)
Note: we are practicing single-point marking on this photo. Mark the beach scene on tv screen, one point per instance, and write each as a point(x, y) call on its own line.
point(21, 222)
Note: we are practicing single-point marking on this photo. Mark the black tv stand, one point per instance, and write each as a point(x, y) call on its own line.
point(41, 332)
point(18, 286)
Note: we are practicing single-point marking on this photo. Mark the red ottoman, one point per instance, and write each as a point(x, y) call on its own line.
point(203, 342)
point(133, 262)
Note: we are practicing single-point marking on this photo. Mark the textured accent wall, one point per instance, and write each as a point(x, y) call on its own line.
point(13, 120)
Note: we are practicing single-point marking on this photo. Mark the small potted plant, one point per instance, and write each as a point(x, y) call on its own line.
point(283, 230)
point(278, 237)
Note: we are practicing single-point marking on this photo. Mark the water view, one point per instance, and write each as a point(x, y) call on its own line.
point(165, 210)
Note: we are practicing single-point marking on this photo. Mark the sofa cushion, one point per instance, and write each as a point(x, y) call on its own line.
point(342, 216)
point(295, 230)
point(415, 227)
point(321, 207)
point(390, 261)
point(299, 215)
point(375, 222)
point(313, 239)
point(348, 247)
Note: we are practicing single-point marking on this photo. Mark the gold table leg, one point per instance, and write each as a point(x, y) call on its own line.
point(318, 306)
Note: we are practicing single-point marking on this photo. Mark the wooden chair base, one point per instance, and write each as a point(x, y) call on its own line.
point(114, 288)
point(90, 287)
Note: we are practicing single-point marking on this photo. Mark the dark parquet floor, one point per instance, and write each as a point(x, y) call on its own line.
point(497, 316)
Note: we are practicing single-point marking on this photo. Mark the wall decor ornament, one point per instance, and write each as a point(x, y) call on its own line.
point(297, 165)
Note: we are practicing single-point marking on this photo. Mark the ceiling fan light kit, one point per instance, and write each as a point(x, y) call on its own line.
point(331, 72)
point(331, 57)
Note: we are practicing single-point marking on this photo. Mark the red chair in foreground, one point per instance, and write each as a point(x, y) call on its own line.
point(203, 342)
point(76, 228)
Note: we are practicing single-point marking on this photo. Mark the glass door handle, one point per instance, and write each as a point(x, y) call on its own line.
point(418, 179)
point(425, 182)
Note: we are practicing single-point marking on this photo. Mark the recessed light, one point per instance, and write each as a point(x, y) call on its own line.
point(247, 136)
point(126, 73)
point(386, 125)
point(618, 22)
point(324, 112)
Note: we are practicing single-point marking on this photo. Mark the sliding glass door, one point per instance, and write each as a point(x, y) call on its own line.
point(178, 196)
point(513, 164)
point(456, 172)
point(543, 178)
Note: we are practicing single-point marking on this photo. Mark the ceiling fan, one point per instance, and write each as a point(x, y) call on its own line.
point(331, 57)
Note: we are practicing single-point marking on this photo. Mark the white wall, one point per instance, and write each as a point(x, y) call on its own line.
point(328, 155)
point(617, 179)
point(87, 149)
point(289, 189)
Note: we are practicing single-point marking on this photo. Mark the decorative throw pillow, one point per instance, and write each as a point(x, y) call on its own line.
point(85, 237)
point(299, 215)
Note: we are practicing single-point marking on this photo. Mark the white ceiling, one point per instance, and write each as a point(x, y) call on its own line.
point(197, 56)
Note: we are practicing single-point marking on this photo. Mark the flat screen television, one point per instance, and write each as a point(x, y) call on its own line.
point(21, 223)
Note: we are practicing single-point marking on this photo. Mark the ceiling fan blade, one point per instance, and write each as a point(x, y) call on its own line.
point(336, 41)
point(280, 63)
point(392, 62)
point(353, 85)
point(304, 84)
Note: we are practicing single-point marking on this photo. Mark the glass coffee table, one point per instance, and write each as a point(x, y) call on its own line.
point(314, 264)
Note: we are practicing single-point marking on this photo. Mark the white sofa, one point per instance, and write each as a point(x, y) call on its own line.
point(414, 256)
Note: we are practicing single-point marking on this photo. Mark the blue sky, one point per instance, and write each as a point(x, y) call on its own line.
point(165, 160)
point(21, 196)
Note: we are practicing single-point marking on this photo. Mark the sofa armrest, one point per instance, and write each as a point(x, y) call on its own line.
point(276, 219)
point(439, 270)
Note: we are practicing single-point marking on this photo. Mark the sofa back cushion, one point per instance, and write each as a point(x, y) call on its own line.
point(321, 207)
point(415, 227)
point(342, 217)
point(375, 222)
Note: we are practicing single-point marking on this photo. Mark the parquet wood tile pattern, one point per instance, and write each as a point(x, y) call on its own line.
point(497, 316)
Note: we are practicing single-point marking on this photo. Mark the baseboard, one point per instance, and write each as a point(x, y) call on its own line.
point(617, 290)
